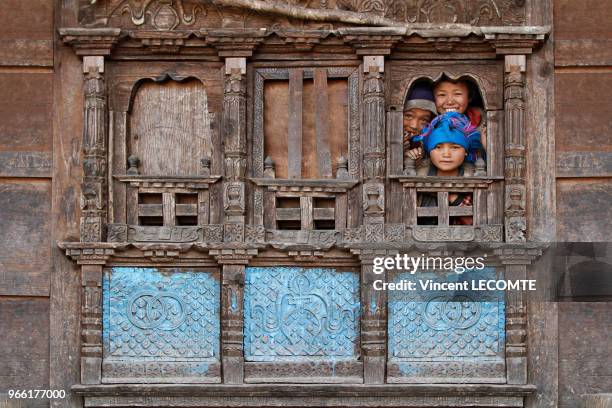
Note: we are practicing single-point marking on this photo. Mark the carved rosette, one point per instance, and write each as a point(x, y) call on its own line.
point(93, 188)
point(515, 192)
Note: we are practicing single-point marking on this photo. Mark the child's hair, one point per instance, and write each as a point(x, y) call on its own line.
point(462, 80)
point(451, 127)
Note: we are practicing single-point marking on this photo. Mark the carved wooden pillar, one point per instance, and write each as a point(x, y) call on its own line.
point(374, 140)
point(91, 323)
point(232, 324)
point(234, 137)
point(515, 194)
point(373, 322)
point(516, 262)
point(232, 313)
point(516, 328)
point(93, 189)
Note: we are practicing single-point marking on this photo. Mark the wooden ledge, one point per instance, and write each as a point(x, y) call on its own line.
point(305, 390)
point(343, 184)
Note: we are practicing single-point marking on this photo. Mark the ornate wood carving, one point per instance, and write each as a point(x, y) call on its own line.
point(93, 188)
point(515, 204)
point(160, 15)
point(91, 324)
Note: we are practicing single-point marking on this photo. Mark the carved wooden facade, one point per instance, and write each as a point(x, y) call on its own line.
point(242, 169)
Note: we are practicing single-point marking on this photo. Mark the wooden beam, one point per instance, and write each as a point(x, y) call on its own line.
point(321, 123)
point(294, 139)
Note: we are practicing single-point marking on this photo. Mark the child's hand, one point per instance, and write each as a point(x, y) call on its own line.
point(415, 154)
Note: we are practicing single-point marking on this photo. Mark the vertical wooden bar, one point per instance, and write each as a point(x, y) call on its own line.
point(169, 209)
point(91, 324)
point(443, 208)
point(479, 207)
point(409, 206)
point(294, 145)
point(232, 352)
point(269, 203)
point(132, 205)
point(324, 165)
point(395, 157)
point(119, 124)
point(203, 207)
point(306, 213)
point(341, 211)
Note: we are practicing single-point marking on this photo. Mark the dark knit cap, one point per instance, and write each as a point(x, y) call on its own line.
point(421, 96)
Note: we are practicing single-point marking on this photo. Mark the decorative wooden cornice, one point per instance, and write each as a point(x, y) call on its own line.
point(233, 42)
point(91, 41)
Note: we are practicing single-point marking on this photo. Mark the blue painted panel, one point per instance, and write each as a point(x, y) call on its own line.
point(160, 316)
point(292, 313)
point(438, 325)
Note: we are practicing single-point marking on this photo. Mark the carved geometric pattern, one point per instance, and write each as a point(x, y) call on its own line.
point(292, 313)
point(440, 324)
point(161, 316)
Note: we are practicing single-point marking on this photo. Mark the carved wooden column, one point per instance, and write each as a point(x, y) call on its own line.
point(92, 261)
point(234, 137)
point(516, 262)
point(232, 314)
point(91, 324)
point(374, 140)
point(373, 321)
point(515, 194)
point(93, 189)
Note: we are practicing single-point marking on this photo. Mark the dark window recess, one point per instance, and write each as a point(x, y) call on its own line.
point(324, 213)
point(427, 209)
point(151, 221)
point(288, 213)
point(150, 209)
point(186, 220)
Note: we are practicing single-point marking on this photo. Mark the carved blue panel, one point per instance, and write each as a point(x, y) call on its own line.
point(292, 313)
point(153, 316)
point(442, 327)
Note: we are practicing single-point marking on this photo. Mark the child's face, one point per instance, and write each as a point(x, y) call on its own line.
point(451, 97)
point(447, 157)
point(415, 120)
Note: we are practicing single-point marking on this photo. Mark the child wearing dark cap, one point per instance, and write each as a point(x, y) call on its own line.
point(419, 110)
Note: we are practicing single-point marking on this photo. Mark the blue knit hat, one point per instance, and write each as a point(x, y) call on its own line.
point(421, 96)
point(451, 127)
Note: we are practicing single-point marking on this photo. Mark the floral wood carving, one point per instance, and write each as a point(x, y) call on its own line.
point(168, 14)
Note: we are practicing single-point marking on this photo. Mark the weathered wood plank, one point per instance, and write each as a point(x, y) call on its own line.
point(307, 221)
point(25, 164)
point(584, 164)
point(443, 208)
point(169, 209)
point(26, 53)
point(26, 110)
point(341, 211)
point(583, 210)
point(25, 231)
point(294, 143)
point(322, 123)
point(24, 354)
point(585, 351)
point(584, 52)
